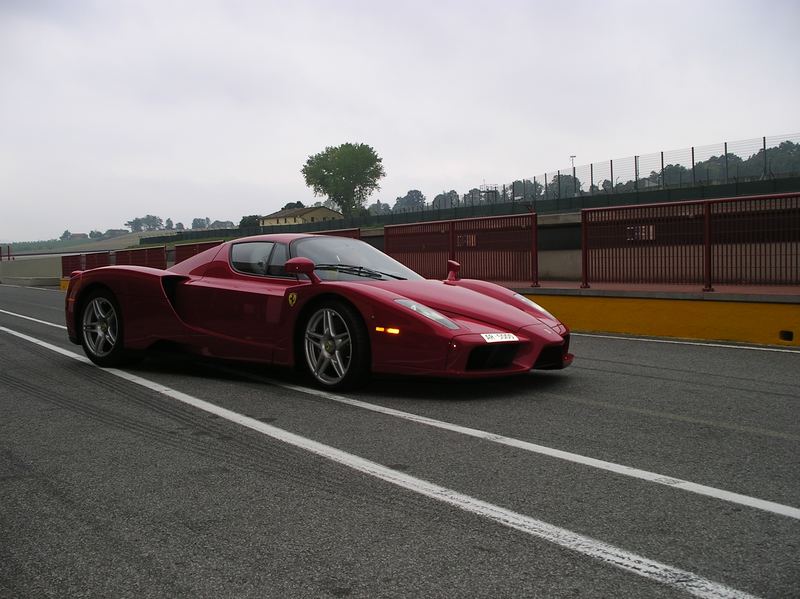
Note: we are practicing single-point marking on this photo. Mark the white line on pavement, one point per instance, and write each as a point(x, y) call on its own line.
point(653, 477)
point(609, 554)
point(50, 324)
point(683, 342)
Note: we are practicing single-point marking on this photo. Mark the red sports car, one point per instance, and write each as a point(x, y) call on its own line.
point(337, 307)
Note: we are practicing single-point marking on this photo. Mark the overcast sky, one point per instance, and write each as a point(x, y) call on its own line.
point(111, 109)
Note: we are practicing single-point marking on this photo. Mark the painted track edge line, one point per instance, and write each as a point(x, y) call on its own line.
point(686, 342)
point(609, 554)
point(653, 477)
point(50, 324)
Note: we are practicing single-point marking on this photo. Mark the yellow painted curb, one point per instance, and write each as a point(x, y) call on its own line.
point(64, 283)
point(746, 322)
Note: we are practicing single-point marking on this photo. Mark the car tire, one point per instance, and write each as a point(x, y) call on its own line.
point(335, 346)
point(100, 329)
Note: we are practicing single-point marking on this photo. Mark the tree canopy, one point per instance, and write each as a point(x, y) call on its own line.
point(250, 221)
point(145, 223)
point(346, 174)
point(413, 200)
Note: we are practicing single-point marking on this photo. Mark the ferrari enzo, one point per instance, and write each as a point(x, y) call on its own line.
point(336, 307)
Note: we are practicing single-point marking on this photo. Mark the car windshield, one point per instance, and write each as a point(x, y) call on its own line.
point(345, 259)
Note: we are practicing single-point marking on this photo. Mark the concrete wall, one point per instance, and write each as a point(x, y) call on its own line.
point(560, 265)
point(31, 270)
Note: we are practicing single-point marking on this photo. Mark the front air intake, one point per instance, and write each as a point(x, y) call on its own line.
point(489, 357)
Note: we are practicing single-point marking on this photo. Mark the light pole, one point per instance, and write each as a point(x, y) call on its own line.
point(574, 182)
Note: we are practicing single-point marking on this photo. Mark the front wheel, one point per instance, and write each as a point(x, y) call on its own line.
point(101, 330)
point(336, 346)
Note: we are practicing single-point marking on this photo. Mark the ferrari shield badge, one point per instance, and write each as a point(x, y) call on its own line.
point(292, 299)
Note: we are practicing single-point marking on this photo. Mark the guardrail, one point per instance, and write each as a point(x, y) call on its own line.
point(500, 248)
point(187, 250)
point(735, 241)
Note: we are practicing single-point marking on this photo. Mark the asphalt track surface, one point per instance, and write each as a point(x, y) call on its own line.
point(646, 469)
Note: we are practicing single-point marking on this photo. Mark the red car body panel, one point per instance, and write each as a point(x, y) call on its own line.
point(206, 306)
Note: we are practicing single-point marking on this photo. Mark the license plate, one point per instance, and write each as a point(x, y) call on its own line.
point(499, 337)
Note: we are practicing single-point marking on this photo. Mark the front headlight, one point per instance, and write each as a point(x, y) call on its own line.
point(427, 312)
point(532, 304)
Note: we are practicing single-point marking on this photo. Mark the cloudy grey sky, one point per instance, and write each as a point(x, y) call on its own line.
point(112, 109)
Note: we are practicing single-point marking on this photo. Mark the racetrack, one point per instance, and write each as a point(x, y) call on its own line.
point(647, 469)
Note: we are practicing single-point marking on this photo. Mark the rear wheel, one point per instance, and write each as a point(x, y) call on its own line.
point(336, 346)
point(101, 330)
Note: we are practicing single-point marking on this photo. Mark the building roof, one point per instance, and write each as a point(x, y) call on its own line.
point(298, 212)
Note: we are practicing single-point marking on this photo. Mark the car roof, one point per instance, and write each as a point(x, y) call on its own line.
point(277, 237)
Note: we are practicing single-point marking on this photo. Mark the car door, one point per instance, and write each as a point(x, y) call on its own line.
point(239, 299)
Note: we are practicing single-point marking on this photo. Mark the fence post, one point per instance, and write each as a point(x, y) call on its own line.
point(534, 250)
point(611, 165)
point(694, 182)
point(584, 251)
point(726, 162)
point(452, 243)
point(707, 247)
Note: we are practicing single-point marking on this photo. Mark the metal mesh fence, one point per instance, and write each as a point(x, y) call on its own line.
point(715, 164)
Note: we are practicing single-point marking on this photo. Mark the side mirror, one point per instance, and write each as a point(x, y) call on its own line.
point(302, 266)
point(452, 270)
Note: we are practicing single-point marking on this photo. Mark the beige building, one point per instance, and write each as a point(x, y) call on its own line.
point(297, 216)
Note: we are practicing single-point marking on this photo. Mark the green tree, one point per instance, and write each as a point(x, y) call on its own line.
point(378, 208)
point(784, 160)
point(293, 205)
point(413, 201)
point(65, 235)
point(95, 234)
point(346, 174)
point(135, 225)
point(250, 221)
point(525, 190)
point(179, 226)
point(168, 225)
point(200, 223)
point(152, 223)
point(563, 186)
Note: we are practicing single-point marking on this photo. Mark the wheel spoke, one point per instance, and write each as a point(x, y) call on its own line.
point(314, 343)
point(328, 316)
point(336, 361)
point(323, 362)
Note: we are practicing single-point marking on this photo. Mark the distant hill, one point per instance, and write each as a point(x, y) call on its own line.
point(86, 245)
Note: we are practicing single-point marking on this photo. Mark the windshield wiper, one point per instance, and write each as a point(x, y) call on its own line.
point(350, 269)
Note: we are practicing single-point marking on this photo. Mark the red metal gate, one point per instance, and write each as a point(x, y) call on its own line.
point(498, 248)
point(752, 240)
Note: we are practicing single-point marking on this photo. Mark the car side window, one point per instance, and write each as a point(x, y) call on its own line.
point(252, 257)
point(280, 254)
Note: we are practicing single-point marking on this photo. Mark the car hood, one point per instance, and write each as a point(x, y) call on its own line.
point(458, 301)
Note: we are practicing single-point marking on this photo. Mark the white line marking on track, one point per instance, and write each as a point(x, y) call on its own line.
point(50, 324)
point(682, 342)
point(28, 287)
point(609, 554)
point(653, 477)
